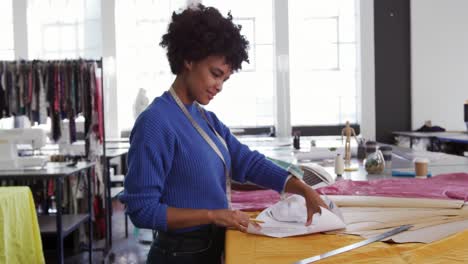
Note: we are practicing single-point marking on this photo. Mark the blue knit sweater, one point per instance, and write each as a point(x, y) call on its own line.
point(171, 165)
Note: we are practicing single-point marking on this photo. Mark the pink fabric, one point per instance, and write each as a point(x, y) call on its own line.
point(253, 200)
point(445, 186)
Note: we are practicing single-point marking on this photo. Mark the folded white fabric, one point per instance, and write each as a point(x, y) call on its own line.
point(291, 209)
point(287, 218)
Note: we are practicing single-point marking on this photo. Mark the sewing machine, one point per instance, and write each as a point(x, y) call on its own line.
point(76, 148)
point(9, 141)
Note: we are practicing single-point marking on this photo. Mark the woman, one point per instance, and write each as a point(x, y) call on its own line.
point(182, 157)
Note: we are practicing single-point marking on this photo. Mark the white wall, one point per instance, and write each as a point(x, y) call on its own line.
point(439, 62)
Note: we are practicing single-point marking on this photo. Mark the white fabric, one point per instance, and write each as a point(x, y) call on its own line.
point(429, 224)
point(432, 233)
point(292, 209)
point(377, 201)
point(287, 218)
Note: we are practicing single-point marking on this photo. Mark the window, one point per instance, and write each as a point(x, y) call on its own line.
point(141, 62)
point(245, 101)
point(7, 51)
point(322, 60)
point(323, 69)
point(64, 29)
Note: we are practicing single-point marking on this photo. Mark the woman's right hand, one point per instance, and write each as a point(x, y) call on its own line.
point(233, 219)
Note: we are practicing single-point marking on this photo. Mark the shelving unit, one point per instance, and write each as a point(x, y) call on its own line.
point(59, 224)
point(48, 223)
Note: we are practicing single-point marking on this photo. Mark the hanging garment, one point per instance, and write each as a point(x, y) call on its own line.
point(20, 84)
point(32, 95)
point(99, 212)
point(70, 105)
point(13, 91)
point(97, 113)
point(42, 98)
point(7, 87)
point(2, 90)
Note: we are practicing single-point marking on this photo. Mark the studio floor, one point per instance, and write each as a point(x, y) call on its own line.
point(124, 250)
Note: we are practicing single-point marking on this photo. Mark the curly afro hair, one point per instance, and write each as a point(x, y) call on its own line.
point(199, 32)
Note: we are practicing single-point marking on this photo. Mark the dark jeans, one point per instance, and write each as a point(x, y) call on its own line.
point(205, 245)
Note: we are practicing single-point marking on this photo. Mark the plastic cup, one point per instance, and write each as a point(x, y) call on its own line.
point(421, 167)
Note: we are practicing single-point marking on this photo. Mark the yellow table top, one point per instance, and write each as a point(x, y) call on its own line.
point(20, 238)
point(253, 249)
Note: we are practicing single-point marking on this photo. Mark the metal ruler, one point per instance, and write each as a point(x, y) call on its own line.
point(355, 245)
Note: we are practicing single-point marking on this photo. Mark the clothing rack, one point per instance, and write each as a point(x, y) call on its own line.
point(35, 70)
point(57, 89)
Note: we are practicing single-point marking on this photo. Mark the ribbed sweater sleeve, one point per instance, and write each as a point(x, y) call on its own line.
point(248, 165)
point(149, 162)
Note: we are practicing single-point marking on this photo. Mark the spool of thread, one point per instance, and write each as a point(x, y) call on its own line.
point(339, 165)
